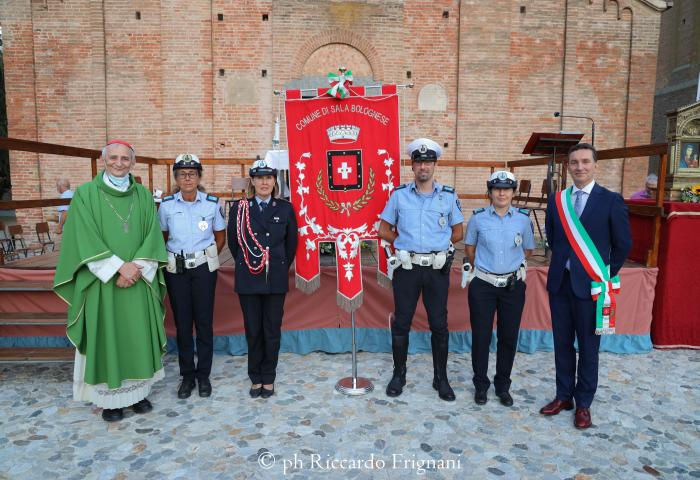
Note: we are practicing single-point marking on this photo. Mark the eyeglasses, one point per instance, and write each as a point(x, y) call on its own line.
point(188, 175)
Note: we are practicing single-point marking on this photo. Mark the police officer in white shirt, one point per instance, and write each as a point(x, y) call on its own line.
point(195, 232)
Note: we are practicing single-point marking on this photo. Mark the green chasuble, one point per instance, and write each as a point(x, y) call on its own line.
point(119, 330)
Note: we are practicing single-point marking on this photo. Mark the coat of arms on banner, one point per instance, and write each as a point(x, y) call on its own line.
point(342, 171)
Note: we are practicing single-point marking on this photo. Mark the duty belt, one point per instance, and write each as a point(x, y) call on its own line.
point(499, 281)
point(423, 259)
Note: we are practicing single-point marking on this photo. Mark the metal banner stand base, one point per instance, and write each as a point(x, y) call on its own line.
point(354, 385)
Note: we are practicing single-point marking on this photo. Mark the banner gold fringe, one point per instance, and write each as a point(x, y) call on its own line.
point(347, 304)
point(307, 286)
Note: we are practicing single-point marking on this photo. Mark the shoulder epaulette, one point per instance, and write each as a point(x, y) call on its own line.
point(213, 198)
point(403, 185)
point(168, 198)
point(524, 211)
point(447, 188)
point(479, 210)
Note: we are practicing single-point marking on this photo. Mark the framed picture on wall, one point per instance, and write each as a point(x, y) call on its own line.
point(690, 152)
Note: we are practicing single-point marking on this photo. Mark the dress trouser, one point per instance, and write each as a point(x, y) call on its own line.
point(408, 286)
point(262, 318)
point(191, 296)
point(484, 301)
point(574, 318)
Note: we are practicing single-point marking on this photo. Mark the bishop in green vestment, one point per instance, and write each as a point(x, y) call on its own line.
point(109, 274)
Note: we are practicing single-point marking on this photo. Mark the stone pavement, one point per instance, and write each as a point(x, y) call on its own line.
point(646, 424)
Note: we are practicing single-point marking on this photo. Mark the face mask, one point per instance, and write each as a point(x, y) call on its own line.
point(118, 181)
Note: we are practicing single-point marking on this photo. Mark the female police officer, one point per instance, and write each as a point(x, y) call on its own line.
point(499, 239)
point(262, 236)
point(193, 228)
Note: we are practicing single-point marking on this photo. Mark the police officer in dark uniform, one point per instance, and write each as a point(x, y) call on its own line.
point(193, 226)
point(422, 219)
point(499, 239)
point(262, 236)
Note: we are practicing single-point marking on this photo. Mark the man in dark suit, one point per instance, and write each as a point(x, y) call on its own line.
point(603, 214)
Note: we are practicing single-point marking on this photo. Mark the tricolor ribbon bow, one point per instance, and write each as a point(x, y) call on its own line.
point(339, 84)
point(606, 304)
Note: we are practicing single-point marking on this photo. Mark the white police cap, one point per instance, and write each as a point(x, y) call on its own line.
point(187, 160)
point(261, 168)
point(424, 149)
point(502, 179)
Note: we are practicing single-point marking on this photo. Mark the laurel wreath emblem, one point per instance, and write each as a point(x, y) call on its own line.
point(345, 207)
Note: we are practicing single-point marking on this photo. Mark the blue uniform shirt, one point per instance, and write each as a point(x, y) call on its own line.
point(500, 241)
point(423, 221)
point(182, 220)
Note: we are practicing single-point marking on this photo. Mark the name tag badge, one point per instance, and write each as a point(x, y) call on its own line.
point(518, 239)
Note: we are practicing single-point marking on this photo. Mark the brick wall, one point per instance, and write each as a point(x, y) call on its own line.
point(187, 76)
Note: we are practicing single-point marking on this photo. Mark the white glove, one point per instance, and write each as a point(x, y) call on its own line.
point(522, 270)
point(467, 273)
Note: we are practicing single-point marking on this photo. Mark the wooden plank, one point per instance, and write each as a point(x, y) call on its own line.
point(634, 151)
point(50, 148)
point(25, 286)
point(35, 318)
point(47, 261)
point(645, 210)
point(472, 196)
point(470, 164)
point(31, 146)
point(45, 202)
point(31, 355)
point(609, 154)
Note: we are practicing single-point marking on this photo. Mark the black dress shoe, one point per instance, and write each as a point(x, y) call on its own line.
point(186, 387)
point(480, 397)
point(255, 392)
point(204, 387)
point(144, 406)
point(505, 398)
point(112, 414)
point(267, 393)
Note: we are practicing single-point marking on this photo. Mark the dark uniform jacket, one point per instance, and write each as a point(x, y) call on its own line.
point(275, 228)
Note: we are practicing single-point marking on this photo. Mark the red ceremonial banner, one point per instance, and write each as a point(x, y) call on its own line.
point(344, 163)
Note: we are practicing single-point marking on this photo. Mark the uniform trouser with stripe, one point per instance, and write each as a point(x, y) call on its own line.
point(191, 295)
point(485, 300)
point(262, 318)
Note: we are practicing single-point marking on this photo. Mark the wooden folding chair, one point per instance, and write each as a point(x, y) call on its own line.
point(44, 236)
point(523, 195)
point(18, 243)
point(239, 187)
point(541, 206)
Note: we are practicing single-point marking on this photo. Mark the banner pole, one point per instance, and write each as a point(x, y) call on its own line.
point(354, 385)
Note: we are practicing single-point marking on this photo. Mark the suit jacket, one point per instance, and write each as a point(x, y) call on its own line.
point(607, 223)
point(275, 228)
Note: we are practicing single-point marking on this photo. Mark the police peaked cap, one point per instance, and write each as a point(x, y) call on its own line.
point(424, 150)
point(187, 160)
point(501, 179)
point(261, 168)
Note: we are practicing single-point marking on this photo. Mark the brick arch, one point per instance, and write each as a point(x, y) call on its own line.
point(347, 37)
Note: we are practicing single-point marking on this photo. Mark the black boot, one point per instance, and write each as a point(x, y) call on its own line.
point(399, 348)
point(440, 383)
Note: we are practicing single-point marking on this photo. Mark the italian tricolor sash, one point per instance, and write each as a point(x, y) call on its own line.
point(603, 288)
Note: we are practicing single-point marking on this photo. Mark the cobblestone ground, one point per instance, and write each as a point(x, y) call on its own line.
point(646, 424)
